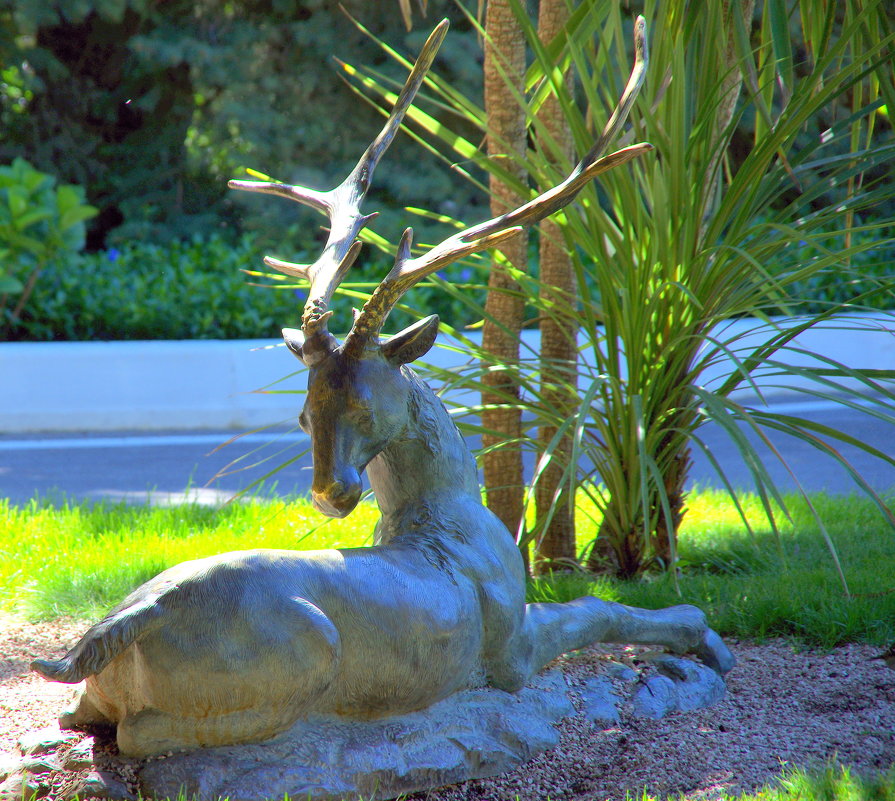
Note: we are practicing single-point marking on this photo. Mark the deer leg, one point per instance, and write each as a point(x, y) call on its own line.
point(550, 629)
point(152, 731)
point(83, 712)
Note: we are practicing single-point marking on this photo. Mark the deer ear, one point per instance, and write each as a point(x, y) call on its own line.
point(294, 340)
point(412, 342)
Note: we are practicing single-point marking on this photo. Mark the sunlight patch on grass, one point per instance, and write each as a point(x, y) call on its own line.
point(761, 584)
point(79, 558)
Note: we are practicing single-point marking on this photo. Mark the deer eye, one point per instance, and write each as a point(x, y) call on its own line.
point(360, 414)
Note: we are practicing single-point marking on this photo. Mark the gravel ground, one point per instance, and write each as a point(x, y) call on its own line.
point(783, 707)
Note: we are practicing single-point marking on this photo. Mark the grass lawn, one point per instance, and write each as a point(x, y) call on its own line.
point(836, 783)
point(760, 585)
point(81, 559)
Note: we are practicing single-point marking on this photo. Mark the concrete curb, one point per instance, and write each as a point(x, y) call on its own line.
point(244, 384)
point(152, 385)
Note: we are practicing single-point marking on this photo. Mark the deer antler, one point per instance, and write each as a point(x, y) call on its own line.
point(342, 204)
point(409, 271)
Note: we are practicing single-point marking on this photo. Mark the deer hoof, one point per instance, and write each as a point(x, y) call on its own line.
point(713, 652)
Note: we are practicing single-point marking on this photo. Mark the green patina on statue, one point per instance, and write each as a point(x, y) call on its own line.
point(236, 648)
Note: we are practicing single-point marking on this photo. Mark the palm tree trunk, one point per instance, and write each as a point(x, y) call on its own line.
point(504, 308)
point(556, 542)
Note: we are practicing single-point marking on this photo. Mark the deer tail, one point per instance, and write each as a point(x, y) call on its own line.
point(102, 643)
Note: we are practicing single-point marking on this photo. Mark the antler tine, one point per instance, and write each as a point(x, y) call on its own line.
point(307, 197)
point(629, 95)
point(342, 204)
point(408, 271)
point(363, 172)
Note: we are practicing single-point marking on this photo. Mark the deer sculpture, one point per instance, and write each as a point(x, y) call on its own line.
point(236, 647)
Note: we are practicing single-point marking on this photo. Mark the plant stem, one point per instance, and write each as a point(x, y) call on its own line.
point(26, 292)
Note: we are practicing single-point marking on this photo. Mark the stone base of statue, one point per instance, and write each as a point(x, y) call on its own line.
point(472, 734)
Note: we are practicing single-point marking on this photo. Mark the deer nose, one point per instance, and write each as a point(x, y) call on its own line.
point(338, 498)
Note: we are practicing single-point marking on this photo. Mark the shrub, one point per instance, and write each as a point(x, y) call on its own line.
point(192, 289)
point(867, 274)
point(39, 221)
point(178, 290)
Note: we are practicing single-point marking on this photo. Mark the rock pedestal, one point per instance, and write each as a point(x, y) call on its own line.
point(470, 735)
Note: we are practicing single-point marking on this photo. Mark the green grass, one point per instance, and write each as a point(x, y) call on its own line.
point(834, 783)
point(81, 559)
point(764, 586)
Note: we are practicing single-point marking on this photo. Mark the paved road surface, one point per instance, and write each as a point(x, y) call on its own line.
point(165, 468)
point(156, 467)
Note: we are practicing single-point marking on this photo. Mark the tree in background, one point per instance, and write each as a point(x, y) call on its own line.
point(102, 107)
point(504, 305)
point(151, 107)
point(554, 491)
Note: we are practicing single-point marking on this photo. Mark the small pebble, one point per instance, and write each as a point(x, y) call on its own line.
point(100, 784)
point(43, 741)
point(80, 756)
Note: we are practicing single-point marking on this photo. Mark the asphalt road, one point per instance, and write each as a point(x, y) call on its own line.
point(212, 467)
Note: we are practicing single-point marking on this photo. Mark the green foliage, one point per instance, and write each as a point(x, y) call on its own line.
point(677, 243)
point(191, 289)
point(867, 275)
point(39, 221)
point(152, 107)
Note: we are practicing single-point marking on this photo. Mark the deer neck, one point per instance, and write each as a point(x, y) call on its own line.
point(427, 462)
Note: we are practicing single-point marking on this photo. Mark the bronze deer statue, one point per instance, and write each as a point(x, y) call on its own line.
point(237, 647)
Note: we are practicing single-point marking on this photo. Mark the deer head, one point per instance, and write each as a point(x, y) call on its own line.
point(357, 400)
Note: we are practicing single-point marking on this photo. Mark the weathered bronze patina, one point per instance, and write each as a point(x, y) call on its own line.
point(237, 647)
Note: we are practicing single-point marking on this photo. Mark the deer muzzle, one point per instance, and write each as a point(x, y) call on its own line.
point(339, 497)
